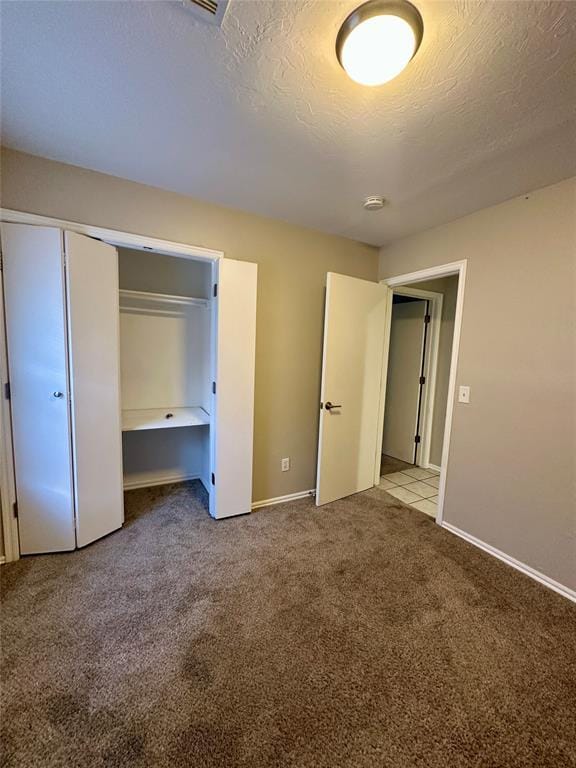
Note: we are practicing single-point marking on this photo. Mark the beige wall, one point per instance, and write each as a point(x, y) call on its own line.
point(292, 269)
point(512, 464)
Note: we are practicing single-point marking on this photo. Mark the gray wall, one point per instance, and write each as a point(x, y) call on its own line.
point(512, 466)
point(157, 273)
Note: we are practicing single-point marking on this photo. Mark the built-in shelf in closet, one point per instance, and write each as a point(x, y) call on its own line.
point(163, 418)
point(166, 371)
point(134, 419)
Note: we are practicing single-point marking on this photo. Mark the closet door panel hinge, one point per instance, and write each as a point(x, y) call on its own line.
point(215, 289)
point(7, 390)
point(15, 509)
point(426, 319)
point(422, 380)
point(417, 439)
point(213, 387)
point(213, 479)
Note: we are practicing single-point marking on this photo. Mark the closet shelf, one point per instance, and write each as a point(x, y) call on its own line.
point(163, 418)
point(137, 298)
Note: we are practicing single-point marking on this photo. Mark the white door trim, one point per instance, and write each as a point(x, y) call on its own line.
point(7, 479)
point(114, 237)
point(431, 364)
point(431, 273)
point(383, 382)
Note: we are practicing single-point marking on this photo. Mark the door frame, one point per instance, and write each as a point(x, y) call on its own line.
point(7, 476)
point(413, 278)
point(113, 237)
point(430, 365)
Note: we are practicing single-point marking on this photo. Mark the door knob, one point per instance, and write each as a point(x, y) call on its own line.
point(58, 394)
point(329, 406)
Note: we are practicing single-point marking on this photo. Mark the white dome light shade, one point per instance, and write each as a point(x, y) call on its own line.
point(378, 49)
point(378, 39)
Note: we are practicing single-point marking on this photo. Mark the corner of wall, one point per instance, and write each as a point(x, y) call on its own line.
point(381, 262)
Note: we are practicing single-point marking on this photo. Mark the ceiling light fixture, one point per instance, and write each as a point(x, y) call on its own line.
point(378, 39)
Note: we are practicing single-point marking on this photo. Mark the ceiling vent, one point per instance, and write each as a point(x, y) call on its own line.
point(208, 11)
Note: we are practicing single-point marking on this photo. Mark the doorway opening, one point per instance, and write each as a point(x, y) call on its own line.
point(415, 330)
point(418, 385)
point(354, 376)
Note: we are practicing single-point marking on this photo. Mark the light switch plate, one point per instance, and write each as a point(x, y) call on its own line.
point(463, 394)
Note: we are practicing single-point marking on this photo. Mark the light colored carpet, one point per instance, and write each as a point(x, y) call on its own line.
point(357, 635)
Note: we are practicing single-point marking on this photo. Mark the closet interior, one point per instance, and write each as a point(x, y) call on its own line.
point(165, 368)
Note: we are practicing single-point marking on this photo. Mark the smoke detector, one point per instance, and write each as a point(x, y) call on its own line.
point(208, 11)
point(374, 203)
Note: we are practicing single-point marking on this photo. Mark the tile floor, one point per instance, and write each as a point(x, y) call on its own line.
point(414, 486)
point(389, 464)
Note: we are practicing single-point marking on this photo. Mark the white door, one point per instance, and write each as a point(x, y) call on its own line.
point(94, 337)
point(403, 383)
point(232, 422)
point(354, 339)
point(34, 285)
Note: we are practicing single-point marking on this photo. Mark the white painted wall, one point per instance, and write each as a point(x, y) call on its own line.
point(159, 456)
point(165, 363)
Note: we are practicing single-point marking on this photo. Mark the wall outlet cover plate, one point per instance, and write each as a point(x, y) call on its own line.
point(463, 394)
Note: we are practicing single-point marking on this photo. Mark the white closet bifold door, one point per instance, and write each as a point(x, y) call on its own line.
point(93, 316)
point(34, 285)
point(232, 426)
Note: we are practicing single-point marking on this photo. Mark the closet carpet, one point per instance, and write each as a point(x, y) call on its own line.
point(357, 635)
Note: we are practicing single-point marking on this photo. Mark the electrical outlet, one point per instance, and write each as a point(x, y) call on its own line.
point(463, 394)
point(285, 464)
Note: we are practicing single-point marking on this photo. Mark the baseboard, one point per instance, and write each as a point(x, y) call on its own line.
point(283, 499)
point(2, 559)
point(522, 567)
point(434, 467)
point(131, 485)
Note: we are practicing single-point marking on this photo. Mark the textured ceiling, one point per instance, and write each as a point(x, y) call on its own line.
point(258, 115)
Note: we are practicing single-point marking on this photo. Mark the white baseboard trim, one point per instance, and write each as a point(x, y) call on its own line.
point(283, 499)
point(2, 559)
point(434, 467)
point(522, 567)
point(131, 485)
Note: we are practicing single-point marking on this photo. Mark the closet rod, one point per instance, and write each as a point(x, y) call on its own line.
point(162, 298)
